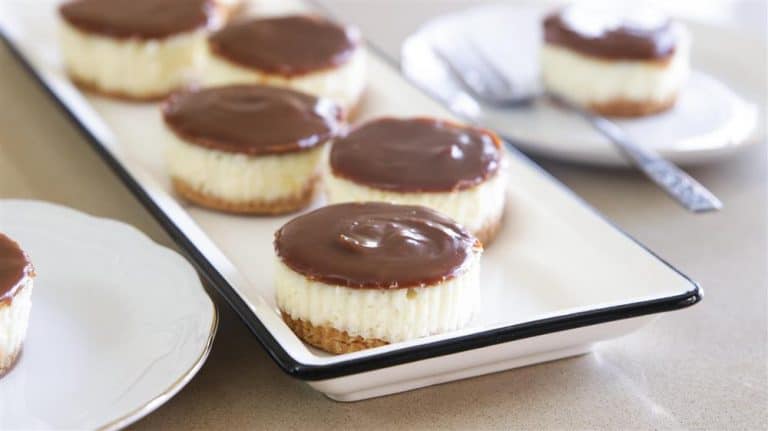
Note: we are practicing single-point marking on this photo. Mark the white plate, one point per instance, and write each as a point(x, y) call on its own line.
point(708, 122)
point(557, 279)
point(119, 324)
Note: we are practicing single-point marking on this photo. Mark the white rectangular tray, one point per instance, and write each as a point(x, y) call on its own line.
point(557, 279)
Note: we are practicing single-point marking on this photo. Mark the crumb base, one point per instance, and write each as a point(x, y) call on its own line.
point(94, 88)
point(329, 339)
point(7, 362)
point(284, 205)
point(632, 108)
point(488, 232)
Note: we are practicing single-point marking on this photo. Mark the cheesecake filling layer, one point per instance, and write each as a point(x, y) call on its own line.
point(474, 208)
point(589, 80)
point(391, 315)
point(14, 320)
point(132, 67)
point(241, 178)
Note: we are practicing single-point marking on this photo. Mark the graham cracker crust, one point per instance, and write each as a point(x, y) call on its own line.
point(629, 108)
point(487, 233)
point(94, 88)
point(255, 207)
point(329, 339)
point(353, 112)
point(8, 362)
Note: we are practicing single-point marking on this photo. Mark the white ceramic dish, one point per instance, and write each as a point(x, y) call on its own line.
point(119, 324)
point(557, 279)
point(709, 121)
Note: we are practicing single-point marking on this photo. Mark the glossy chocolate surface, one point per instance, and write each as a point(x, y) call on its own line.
point(375, 245)
point(142, 19)
point(252, 119)
point(14, 266)
point(288, 46)
point(416, 155)
point(612, 33)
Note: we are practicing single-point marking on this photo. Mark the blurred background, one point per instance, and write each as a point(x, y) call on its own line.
point(389, 22)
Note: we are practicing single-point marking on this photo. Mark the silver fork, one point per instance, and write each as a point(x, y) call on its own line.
point(484, 81)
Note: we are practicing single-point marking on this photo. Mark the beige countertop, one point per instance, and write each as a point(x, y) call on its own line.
point(703, 367)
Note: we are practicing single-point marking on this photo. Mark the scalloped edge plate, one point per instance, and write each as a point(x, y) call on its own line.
point(119, 324)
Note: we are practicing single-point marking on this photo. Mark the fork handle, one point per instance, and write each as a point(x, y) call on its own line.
point(676, 183)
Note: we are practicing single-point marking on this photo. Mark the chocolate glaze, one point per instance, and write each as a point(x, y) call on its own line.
point(288, 46)
point(14, 266)
point(416, 155)
point(612, 34)
point(375, 245)
point(252, 119)
point(142, 19)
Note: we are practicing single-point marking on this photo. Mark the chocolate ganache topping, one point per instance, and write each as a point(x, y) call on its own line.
point(613, 33)
point(288, 46)
point(416, 155)
point(143, 19)
point(375, 245)
point(252, 119)
point(14, 267)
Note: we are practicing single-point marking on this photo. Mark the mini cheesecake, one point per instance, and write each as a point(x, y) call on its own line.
point(613, 61)
point(451, 168)
point(136, 49)
point(358, 275)
point(16, 274)
point(247, 148)
point(305, 53)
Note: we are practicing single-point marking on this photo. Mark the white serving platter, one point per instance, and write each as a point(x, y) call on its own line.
point(558, 278)
point(709, 122)
point(118, 324)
